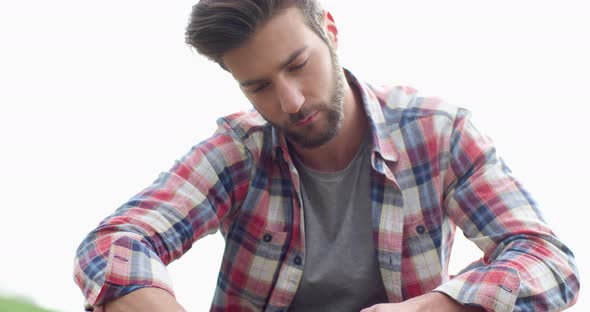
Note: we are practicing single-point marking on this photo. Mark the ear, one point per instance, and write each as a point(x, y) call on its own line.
point(331, 29)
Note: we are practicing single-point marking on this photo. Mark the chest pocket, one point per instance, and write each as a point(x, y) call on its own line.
point(421, 254)
point(422, 233)
point(251, 262)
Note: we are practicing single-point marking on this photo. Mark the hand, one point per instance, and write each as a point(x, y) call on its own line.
point(433, 301)
point(144, 300)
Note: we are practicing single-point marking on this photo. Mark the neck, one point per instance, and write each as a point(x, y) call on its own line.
point(337, 153)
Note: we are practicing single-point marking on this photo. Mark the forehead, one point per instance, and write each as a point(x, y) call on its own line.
point(270, 45)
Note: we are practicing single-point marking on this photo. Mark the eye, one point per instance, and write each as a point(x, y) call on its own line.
point(260, 87)
point(298, 66)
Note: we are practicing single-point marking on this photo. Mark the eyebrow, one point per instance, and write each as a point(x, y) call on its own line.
point(284, 64)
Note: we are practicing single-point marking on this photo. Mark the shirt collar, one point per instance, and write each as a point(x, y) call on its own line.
point(383, 143)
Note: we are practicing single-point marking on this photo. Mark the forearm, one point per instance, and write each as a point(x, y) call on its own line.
point(144, 300)
point(441, 302)
point(430, 302)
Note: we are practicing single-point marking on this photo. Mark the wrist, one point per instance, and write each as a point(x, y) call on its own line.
point(149, 299)
point(443, 302)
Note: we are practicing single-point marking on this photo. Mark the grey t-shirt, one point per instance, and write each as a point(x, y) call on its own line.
point(341, 272)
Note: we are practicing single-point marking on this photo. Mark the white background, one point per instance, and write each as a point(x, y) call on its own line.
point(96, 98)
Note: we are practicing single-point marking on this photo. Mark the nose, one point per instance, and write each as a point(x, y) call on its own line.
point(290, 97)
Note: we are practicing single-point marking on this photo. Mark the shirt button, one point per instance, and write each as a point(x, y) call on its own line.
point(267, 237)
point(297, 260)
point(420, 229)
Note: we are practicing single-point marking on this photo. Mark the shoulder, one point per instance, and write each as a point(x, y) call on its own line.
point(248, 129)
point(403, 105)
point(243, 124)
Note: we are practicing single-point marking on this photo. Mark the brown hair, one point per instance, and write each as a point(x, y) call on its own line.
point(217, 26)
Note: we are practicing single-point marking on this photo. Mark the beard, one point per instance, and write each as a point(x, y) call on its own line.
point(322, 131)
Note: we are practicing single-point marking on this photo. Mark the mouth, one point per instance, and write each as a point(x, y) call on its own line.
point(307, 120)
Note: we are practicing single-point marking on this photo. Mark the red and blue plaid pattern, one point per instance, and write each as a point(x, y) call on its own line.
point(432, 171)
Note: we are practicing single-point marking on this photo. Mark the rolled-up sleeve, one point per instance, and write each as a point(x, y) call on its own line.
point(131, 248)
point(525, 266)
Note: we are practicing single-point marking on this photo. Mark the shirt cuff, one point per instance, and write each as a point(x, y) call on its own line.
point(131, 265)
point(495, 288)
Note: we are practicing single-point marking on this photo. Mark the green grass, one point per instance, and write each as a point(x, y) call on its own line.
point(18, 305)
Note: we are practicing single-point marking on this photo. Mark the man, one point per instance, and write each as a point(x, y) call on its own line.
point(332, 195)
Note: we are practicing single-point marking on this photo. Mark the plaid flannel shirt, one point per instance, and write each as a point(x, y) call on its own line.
point(431, 171)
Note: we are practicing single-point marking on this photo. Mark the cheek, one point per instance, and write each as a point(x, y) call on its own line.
point(319, 80)
point(268, 109)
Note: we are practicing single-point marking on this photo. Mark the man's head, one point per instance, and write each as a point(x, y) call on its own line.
point(282, 53)
point(217, 26)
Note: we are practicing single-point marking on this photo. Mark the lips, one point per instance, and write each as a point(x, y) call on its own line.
point(307, 120)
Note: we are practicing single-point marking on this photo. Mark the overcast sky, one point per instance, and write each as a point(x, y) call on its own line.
point(97, 98)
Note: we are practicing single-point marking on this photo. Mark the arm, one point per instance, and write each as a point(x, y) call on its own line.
point(526, 267)
point(435, 302)
point(130, 249)
point(145, 300)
